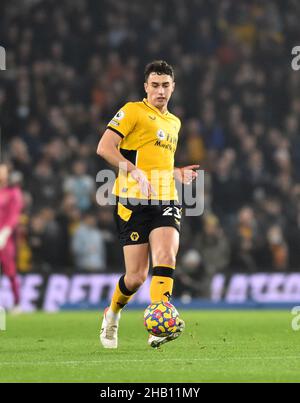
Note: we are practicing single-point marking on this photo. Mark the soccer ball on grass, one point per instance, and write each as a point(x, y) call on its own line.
point(161, 319)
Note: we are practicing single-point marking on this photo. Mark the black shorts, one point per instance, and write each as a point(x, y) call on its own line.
point(135, 222)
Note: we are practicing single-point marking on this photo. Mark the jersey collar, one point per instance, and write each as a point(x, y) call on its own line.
point(154, 108)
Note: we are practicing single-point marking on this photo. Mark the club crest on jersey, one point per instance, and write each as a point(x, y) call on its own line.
point(134, 236)
point(161, 134)
point(119, 116)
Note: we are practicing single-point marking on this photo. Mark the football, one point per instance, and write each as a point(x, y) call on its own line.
point(161, 319)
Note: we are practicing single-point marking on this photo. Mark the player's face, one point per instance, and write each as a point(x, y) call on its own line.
point(159, 88)
point(3, 175)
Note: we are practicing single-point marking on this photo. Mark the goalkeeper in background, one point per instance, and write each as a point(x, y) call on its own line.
point(11, 204)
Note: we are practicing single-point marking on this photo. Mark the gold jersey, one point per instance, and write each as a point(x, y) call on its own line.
point(149, 141)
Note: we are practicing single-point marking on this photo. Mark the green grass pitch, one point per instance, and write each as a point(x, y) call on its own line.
point(217, 346)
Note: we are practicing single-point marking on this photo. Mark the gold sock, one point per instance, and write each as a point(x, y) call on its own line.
point(161, 286)
point(121, 296)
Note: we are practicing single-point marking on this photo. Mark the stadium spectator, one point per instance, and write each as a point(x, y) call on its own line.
point(245, 238)
point(214, 249)
point(189, 276)
point(277, 248)
point(88, 245)
point(45, 185)
point(81, 185)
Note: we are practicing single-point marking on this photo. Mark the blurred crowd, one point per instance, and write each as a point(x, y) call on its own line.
point(72, 64)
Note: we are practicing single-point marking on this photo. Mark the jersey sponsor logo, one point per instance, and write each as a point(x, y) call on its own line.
point(166, 146)
point(134, 236)
point(120, 115)
point(161, 134)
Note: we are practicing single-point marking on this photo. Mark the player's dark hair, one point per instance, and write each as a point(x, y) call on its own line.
point(159, 67)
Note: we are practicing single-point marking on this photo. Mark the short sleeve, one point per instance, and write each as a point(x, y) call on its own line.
point(124, 120)
point(179, 126)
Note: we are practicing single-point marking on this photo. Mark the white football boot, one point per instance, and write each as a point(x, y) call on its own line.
point(16, 310)
point(109, 329)
point(155, 341)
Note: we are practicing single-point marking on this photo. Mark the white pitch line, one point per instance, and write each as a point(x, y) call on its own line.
point(145, 361)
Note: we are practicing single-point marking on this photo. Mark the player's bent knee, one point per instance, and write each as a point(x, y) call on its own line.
point(164, 258)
